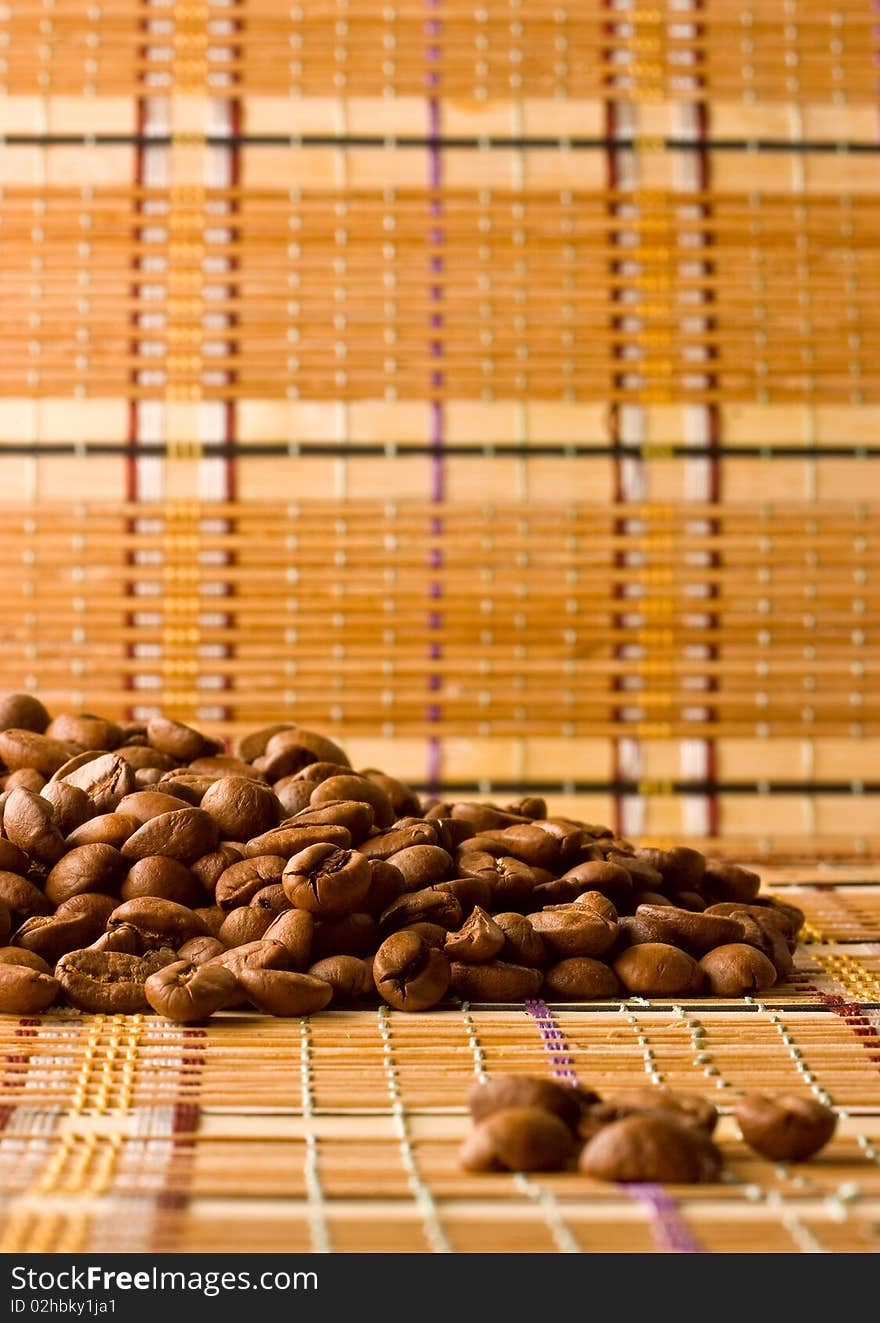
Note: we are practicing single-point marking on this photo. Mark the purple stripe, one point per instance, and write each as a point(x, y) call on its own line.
point(670, 1232)
point(437, 424)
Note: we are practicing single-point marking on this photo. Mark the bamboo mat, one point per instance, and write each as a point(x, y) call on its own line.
point(339, 1132)
point(493, 385)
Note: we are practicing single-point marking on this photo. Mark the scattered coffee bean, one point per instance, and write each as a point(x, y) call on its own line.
point(649, 1147)
point(784, 1128)
point(518, 1139)
point(183, 991)
point(737, 970)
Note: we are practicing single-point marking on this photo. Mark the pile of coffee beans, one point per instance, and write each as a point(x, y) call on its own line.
point(142, 867)
point(527, 1123)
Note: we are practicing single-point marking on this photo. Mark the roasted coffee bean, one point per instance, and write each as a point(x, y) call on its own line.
point(359, 788)
point(124, 938)
point(159, 922)
point(88, 731)
point(644, 876)
point(290, 750)
point(211, 867)
point(199, 950)
point(143, 758)
point(694, 933)
point(578, 978)
point(687, 1109)
point(295, 930)
point(404, 800)
point(241, 808)
point(105, 777)
point(223, 764)
point(350, 978)
point(518, 1139)
point(737, 970)
point(785, 1128)
point(24, 748)
point(314, 773)
point(353, 934)
point(649, 898)
point(283, 992)
point(386, 884)
point(85, 868)
point(242, 880)
point(25, 779)
point(26, 991)
point(574, 930)
point(327, 880)
point(19, 955)
point(12, 859)
point(422, 865)
point(51, 937)
point(106, 829)
point(352, 814)
point(253, 745)
point(512, 881)
point(5, 922)
point(71, 807)
point(410, 975)
point(21, 897)
point(656, 969)
point(767, 936)
point(452, 832)
point(494, 981)
point(482, 817)
point(470, 892)
point(432, 933)
point(109, 982)
point(184, 785)
point(525, 841)
point(649, 1148)
point(594, 900)
point(178, 741)
point(211, 916)
point(503, 1091)
point(522, 945)
point(426, 906)
point(254, 955)
point(164, 878)
point(147, 804)
point(687, 900)
point(478, 939)
point(185, 992)
point(787, 919)
point(185, 834)
point(22, 712)
point(93, 903)
point(399, 837)
point(271, 898)
point(292, 794)
point(245, 925)
point(292, 839)
point(681, 868)
point(29, 823)
point(723, 881)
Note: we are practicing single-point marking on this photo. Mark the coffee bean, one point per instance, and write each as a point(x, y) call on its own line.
point(422, 865)
point(386, 884)
point(595, 900)
point(241, 881)
point(512, 882)
point(271, 898)
point(147, 804)
point(649, 1148)
point(159, 922)
point(397, 838)
point(253, 745)
point(518, 1139)
point(106, 779)
point(211, 916)
point(578, 978)
point(352, 814)
point(124, 938)
point(109, 982)
point(24, 748)
point(681, 868)
point(426, 906)
point(21, 897)
point(656, 969)
point(785, 1128)
point(51, 937)
point(524, 841)
point(687, 1109)
point(353, 934)
point(737, 970)
point(185, 785)
point(292, 794)
point(282, 992)
point(185, 835)
point(26, 778)
point(85, 868)
point(409, 974)
point(106, 829)
point(574, 930)
point(88, 731)
point(724, 881)
point(482, 817)
point(350, 977)
point(254, 955)
point(177, 740)
point(470, 892)
point(494, 981)
point(183, 991)
point(71, 807)
point(504, 1091)
point(522, 945)
point(164, 878)
point(29, 823)
point(292, 839)
point(404, 800)
point(290, 750)
point(25, 991)
point(22, 712)
point(694, 933)
point(244, 925)
point(479, 939)
point(355, 787)
point(198, 950)
point(18, 955)
point(12, 859)
point(241, 808)
point(294, 930)
point(211, 867)
point(326, 880)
